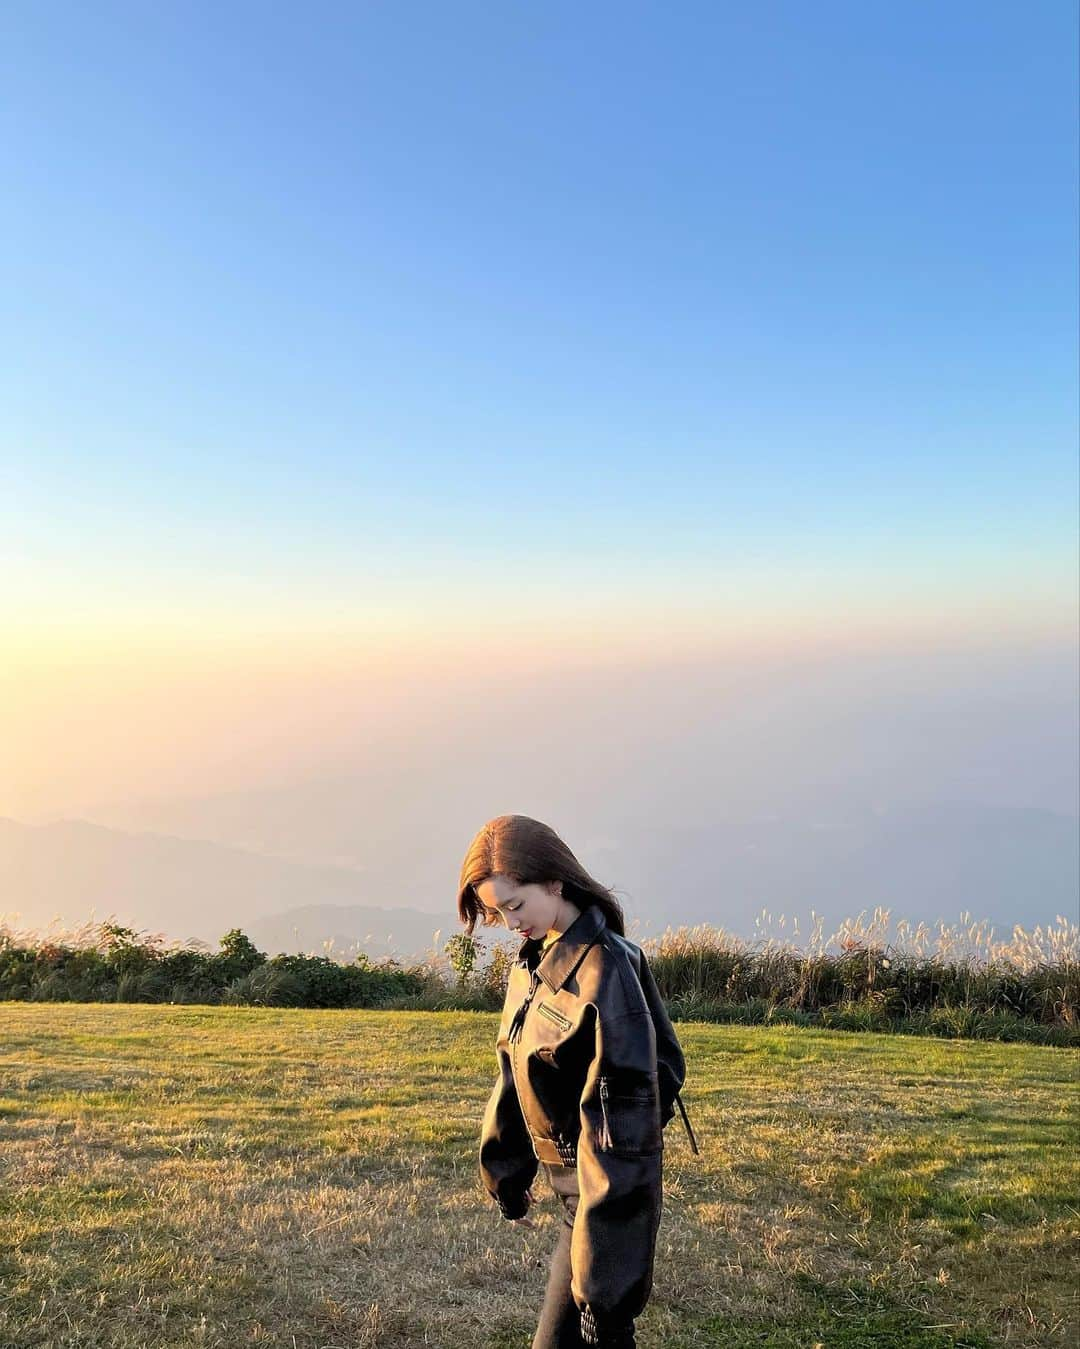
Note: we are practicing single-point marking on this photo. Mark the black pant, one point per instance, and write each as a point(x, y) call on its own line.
point(560, 1320)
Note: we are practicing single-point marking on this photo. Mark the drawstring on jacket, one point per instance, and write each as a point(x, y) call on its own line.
point(686, 1124)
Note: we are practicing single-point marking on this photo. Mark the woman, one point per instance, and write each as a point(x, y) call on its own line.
point(589, 1070)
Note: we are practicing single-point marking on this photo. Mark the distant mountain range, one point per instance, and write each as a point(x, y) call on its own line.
point(925, 863)
point(189, 888)
point(342, 930)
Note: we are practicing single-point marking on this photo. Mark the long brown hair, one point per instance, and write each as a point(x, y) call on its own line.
point(530, 853)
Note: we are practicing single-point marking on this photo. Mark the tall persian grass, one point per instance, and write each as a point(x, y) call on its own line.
point(1034, 975)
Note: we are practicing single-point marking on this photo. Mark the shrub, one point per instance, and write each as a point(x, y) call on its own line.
point(265, 986)
point(1028, 989)
point(237, 956)
point(462, 951)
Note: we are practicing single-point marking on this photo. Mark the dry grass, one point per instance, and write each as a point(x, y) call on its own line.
point(228, 1176)
point(974, 942)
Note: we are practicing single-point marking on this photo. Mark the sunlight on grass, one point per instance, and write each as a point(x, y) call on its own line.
point(226, 1176)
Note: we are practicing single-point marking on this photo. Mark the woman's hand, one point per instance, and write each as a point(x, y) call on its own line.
point(526, 1221)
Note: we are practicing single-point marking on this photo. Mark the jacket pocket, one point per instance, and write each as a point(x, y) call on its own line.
point(552, 1015)
point(629, 1118)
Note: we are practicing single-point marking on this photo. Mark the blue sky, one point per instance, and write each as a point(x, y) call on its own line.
point(336, 330)
point(322, 295)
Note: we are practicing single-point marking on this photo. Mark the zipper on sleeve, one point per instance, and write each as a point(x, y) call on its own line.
point(603, 1139)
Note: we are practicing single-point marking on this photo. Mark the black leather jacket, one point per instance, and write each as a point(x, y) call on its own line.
point(589, 1072)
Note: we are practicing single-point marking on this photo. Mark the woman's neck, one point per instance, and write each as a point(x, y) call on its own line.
point(566, 915)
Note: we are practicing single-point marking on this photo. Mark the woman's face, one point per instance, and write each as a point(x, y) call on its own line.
point(528, 909)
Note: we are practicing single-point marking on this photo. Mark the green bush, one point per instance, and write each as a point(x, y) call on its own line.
point(265, 986)
point(863, 988)
point(237, 956)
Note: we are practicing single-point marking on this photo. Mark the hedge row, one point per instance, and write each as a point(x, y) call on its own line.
point(121, 968)
point(863, 989)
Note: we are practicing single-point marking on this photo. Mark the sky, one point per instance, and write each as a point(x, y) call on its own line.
point(362, 366)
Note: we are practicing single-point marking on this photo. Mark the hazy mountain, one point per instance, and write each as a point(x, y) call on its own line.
point(925, 863)
point(182, 887)
point(702, 789)
point(343, 930)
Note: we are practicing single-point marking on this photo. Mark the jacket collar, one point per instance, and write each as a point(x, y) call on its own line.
point(565, 954)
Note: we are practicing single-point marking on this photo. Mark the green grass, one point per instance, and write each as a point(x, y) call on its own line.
point(185, 1176)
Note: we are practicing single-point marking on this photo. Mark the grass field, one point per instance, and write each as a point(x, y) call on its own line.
point(190, 1176)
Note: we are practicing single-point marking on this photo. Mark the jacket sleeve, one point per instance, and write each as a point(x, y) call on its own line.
point(619, 1163)
point(671, 1065)
point(508, 1162)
